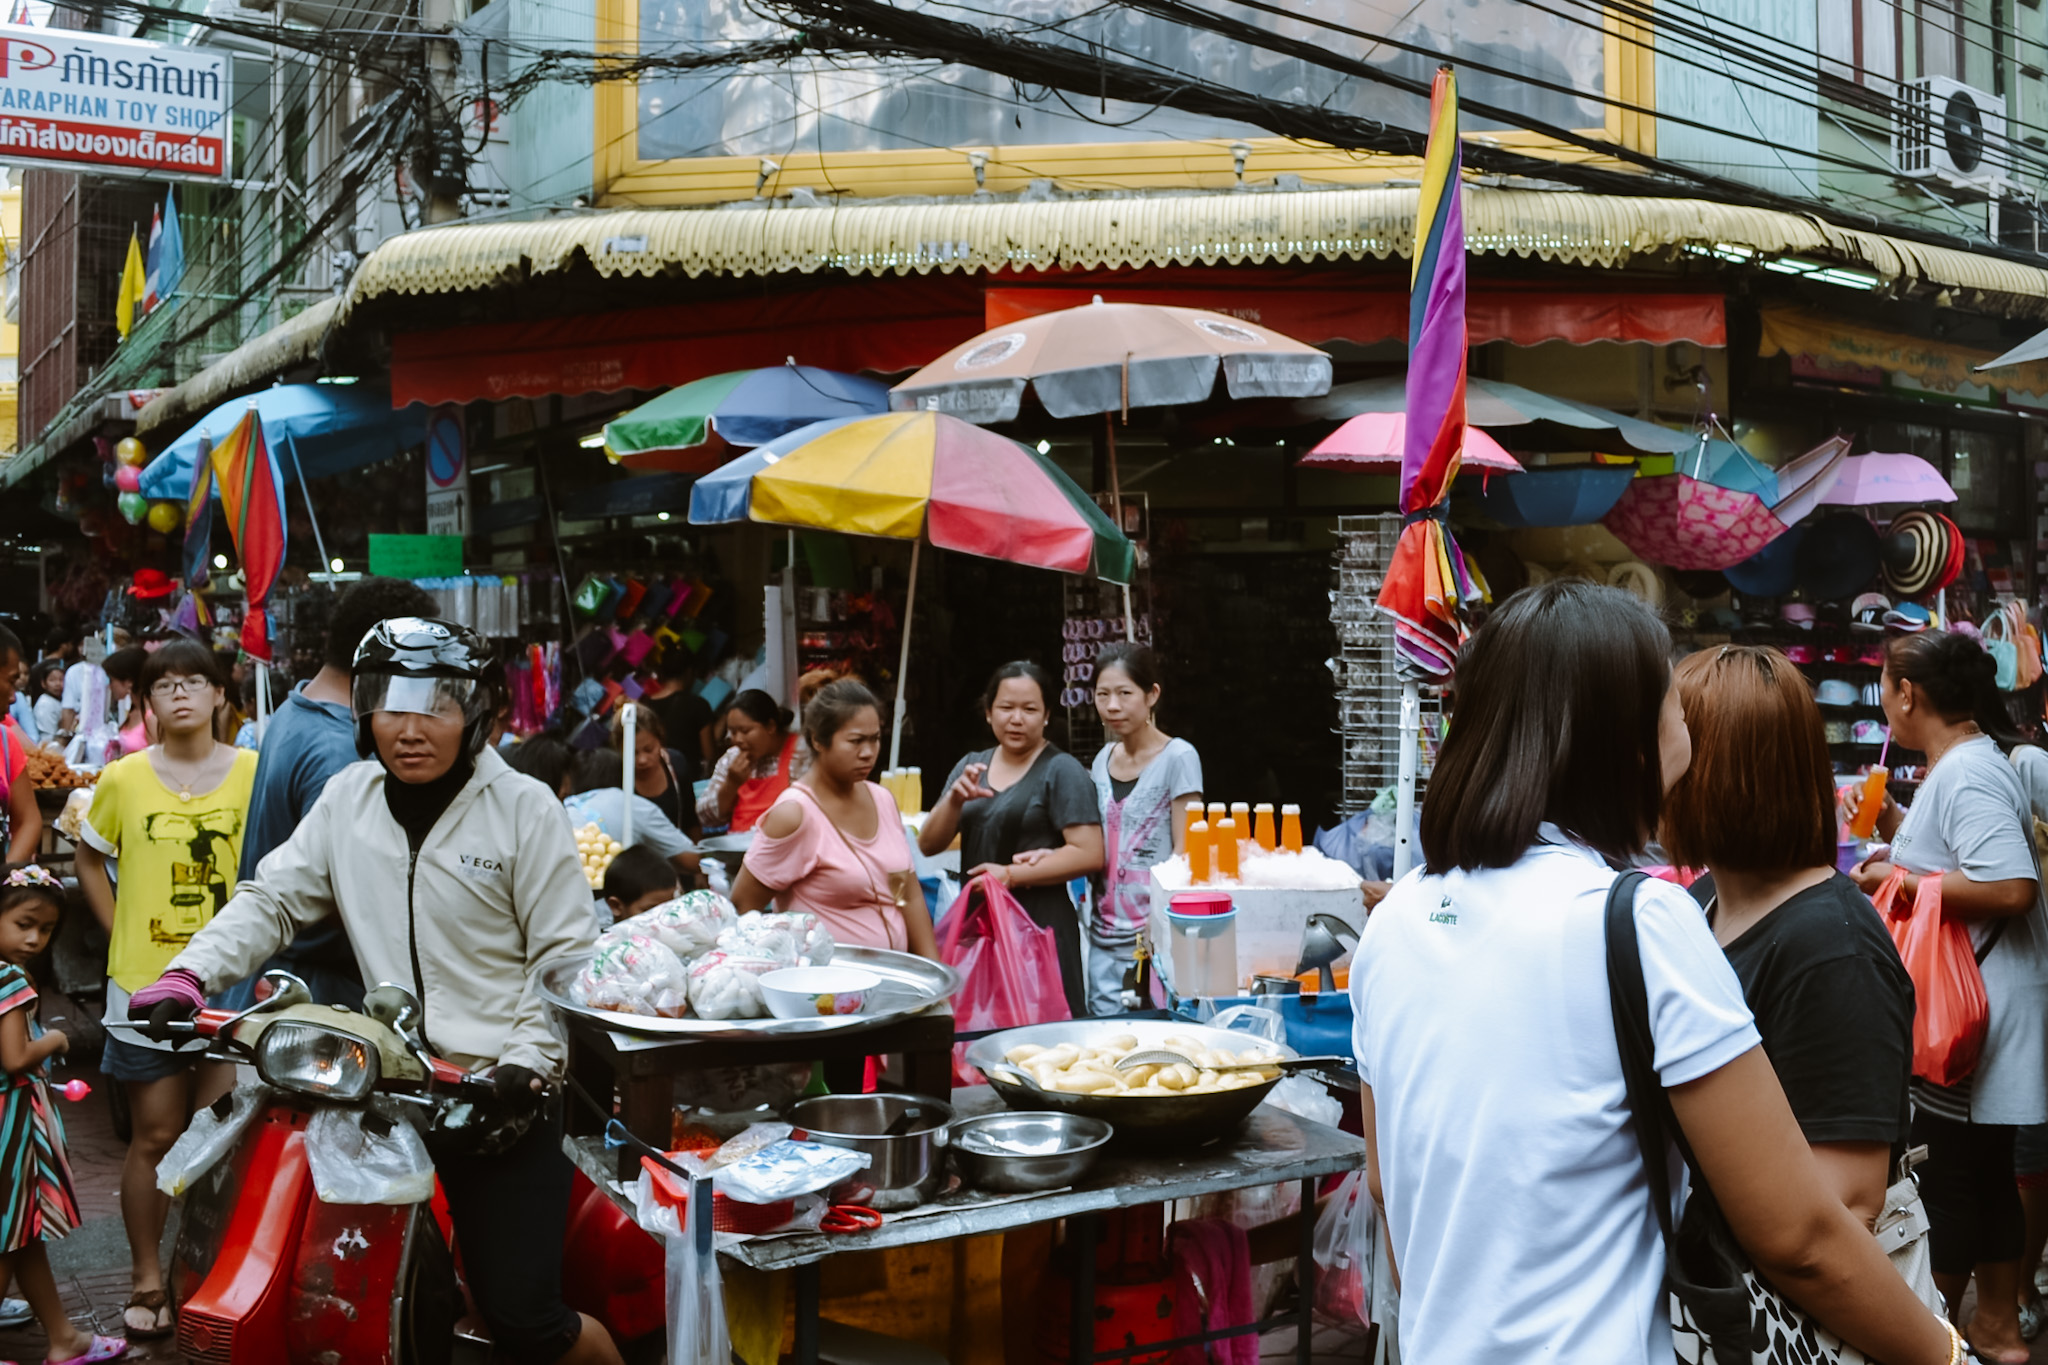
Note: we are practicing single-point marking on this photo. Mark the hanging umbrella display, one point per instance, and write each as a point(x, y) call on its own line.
point(1110, 358)
point(921, 476)
point(1568, 495)
point(1427, 584)
point(1373, 443)
point(1869, 480)
point(696, 427)
point(1544, 422)
point(1686, 520)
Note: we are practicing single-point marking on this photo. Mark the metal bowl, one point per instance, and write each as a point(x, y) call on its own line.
point(1025, 1152)
point(1140, 1121)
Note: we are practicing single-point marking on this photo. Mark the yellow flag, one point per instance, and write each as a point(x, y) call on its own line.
point(129, 302)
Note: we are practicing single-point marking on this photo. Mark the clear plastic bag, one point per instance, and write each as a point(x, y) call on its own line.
point(633, 973)
point(368, 1156)
point(1255, 1020)
point(696, 1298)
point(785, 1169)
point(726, 983)
point(1346, 1251)
point(688, 925)
point(1306, 1098)
point(210, 1136)
point(792, 937)
point(1009, 967)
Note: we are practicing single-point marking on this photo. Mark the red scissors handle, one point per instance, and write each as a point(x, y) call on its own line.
point(849, 1218)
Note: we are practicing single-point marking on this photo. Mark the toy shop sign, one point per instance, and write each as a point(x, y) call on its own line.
point(116, 106)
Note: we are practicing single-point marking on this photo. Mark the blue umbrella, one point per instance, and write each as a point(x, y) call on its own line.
point(723, 494)
point(692, 428)
point(317, 429)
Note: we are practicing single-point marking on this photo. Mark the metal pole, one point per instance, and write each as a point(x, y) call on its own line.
point(1116, 500)
point(903, 657)
point(1404, 789)
point(326, 564)
point(630, 747)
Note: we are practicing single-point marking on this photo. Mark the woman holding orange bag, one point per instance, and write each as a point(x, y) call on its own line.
point(1971, 826)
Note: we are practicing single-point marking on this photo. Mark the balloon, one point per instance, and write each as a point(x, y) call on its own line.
point(128, 479)
point(165, 516)
point(131, 452)
point(133, 507)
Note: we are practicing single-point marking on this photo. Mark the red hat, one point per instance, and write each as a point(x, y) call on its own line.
point(150, 583)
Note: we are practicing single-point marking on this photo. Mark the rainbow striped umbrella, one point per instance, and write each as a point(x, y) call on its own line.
point(920, 476)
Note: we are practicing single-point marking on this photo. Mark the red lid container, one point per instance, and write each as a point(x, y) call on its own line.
point(1200, 903)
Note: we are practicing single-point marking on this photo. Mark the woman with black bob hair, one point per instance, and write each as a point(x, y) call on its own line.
point(1026, 814)
point(1971, 825)
point(1495, 1106)
point(767, 754)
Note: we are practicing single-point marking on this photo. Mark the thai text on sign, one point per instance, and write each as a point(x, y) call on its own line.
point(114, 105)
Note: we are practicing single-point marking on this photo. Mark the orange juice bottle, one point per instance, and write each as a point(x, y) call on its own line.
point(1241, 817)
point(1218, 813)
point(1290, 828)
point(1872, 804)
point(1190, 817)
point(1262, 827)
point(1225, 840)
point(1198, 852)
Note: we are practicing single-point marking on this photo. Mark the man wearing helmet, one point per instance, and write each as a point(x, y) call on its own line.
point(457, 877)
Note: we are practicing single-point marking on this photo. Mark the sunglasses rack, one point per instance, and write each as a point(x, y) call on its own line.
point(1363, 672)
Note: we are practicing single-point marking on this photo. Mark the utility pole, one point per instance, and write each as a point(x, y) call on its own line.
point(441, 185)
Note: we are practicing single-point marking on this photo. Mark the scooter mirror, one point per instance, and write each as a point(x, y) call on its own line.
point(396, 1008)
point(284, 991)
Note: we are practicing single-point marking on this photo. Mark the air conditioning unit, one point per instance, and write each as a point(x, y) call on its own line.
point(1945, 130)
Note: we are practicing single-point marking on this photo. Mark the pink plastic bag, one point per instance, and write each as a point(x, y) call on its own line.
point(1009, 967)
point(1950, 1011)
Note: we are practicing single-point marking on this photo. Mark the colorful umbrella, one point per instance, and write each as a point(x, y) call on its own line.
point(1687, 521)
point(1427, 583)
point(916, 476)
point(1572, 495)
point(1550, 423)
point(1375, 443)
point(694, 428)
point(1868, 480)
point(252, 500)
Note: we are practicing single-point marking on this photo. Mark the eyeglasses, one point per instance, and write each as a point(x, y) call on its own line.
point(167, 688)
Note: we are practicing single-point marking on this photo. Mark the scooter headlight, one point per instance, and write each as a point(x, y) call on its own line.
point(316, 1061)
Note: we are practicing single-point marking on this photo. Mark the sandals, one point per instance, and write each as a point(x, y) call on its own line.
point(155, 1303)
point(102, 1349)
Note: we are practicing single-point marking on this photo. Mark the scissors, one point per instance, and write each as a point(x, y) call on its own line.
point(849, 1218)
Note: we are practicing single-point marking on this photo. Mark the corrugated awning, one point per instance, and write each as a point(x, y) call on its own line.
point(294, 341)
point(1931, 364)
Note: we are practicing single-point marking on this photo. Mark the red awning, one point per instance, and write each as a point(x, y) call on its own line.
point(898, 323)
point(886, 325)
point(1318, 311)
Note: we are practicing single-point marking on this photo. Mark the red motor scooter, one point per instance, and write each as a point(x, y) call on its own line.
point(265, 1272)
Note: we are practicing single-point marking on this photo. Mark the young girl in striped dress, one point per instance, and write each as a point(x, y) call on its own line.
point(37, 1200)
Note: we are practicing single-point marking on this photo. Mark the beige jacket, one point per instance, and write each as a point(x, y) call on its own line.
point(497, 890)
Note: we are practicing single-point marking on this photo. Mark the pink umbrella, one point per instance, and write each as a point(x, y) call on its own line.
point(1371, 443)
point(1688, 523)
point(1867, 480)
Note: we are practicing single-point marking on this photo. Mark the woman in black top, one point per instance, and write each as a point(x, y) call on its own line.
point(1026, 814)
point(1832, 1000)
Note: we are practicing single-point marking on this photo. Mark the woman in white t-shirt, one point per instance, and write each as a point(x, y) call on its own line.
point(1971, 824)
point(1517, 1205)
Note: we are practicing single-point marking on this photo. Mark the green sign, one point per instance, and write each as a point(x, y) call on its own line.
point(416, 556)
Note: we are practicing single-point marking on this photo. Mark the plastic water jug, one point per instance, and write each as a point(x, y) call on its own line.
point(1204, 928)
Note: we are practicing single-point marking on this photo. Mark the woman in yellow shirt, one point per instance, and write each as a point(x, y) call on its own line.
point(173, 814)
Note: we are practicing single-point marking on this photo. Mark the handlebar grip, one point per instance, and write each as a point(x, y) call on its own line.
point(169, 1021)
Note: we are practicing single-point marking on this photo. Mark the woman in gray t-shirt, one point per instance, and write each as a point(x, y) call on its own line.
point(1971, 826)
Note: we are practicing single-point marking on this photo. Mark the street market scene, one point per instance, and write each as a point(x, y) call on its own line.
point(1088, 681)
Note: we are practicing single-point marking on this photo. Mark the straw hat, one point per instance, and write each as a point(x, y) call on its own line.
point(1916, 551)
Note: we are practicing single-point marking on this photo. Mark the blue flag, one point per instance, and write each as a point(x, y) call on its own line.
point(171, 253)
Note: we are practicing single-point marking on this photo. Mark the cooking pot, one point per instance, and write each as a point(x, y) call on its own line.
point(904, 1170)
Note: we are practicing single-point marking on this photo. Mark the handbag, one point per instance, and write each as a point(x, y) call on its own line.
point(1722, 1312)
point(2004, 652)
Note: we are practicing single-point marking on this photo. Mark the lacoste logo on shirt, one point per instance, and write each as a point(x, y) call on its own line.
point(1444, 914)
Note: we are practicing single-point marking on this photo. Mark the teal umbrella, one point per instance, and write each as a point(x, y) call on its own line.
point(694, 428)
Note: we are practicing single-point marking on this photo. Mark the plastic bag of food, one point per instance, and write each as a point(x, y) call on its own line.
point(726, 984)
point(211, 1135)
point(367, 1156)
point(1346, 1246)
point(792, 937)
point(690, 924)
point(633, 973)
point(785, 1169)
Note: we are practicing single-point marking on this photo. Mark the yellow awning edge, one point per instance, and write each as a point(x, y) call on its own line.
point(294, 341)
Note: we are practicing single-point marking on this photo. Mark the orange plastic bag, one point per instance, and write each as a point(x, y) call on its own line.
point(1950, 1011)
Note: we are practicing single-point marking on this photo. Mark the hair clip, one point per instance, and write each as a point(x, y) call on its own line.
point(33, 874)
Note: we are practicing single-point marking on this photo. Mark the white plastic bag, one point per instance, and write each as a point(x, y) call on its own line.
point(725, 983)
point(1255, 1020)
point(1301, 1096)
point(207, 1139)
point(785, 1169)
point(633, 973)
point(367, 1156)
point(696, 1298)
point(690, 924)
point(1346, 1251)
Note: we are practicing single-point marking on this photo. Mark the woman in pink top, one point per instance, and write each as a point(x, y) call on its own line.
point(833, 844)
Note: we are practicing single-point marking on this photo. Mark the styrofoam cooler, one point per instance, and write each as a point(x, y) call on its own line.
point(1269, 926)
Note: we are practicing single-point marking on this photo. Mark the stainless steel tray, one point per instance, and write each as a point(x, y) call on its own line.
point(910, 985)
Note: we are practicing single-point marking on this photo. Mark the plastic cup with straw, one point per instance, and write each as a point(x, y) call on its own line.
point(1864, 823)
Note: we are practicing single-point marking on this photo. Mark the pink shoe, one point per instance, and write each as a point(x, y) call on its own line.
point(102, 1348)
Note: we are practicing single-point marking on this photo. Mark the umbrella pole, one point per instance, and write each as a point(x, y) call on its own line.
point(306, 493)
point(1116, 503)
point(262, 700)
point(629, 747)
point(903, 658)
point(1404, 790)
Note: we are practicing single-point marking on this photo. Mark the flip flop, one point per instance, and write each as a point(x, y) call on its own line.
point(155, 1303)
point(102, 1348)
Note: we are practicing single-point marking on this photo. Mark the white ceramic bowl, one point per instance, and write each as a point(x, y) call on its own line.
point(811, 992)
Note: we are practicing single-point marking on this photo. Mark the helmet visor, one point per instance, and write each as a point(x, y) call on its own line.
point(447, 697)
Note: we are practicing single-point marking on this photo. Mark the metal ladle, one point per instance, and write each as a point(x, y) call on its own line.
point(1324, 939)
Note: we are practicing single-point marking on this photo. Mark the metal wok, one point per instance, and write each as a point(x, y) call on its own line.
point(1140, 1121)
